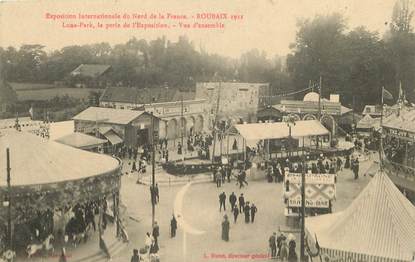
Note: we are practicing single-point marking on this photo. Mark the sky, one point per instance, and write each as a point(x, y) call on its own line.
point(268, 25)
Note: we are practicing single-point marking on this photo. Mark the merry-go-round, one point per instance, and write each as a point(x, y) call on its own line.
point(54, 192)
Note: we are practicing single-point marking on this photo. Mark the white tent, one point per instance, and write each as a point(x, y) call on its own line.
point(379, 225)
point(279, 130)
point(367, 122)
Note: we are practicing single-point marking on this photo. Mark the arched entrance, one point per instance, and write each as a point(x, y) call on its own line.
point(328, 122)
point(182, 127)
point(162, 129)
point(191, 125)
point(199, 124)
point(171, 129)
point(309, 117)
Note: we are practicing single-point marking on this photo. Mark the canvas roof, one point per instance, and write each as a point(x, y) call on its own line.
point(108, 115)
point(91, 70)
point(80, 140)
point(368, 122)
point(38, 161)
point(261, 131)
point(405, 120)
point(379, 222)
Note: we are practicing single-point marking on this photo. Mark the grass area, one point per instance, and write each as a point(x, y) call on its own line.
point(45, 94)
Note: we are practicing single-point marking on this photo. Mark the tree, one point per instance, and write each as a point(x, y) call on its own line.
point(316, 51)
point(401, 47)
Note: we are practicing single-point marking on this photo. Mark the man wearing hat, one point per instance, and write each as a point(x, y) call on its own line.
point(273, 245)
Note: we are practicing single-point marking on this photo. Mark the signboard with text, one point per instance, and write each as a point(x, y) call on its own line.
point(319, 190)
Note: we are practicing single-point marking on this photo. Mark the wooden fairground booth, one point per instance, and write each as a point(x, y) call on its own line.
point(399, 145)
point(47, 180)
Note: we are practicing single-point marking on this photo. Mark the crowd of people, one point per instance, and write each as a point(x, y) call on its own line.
point(283, 247)
point(238, 206)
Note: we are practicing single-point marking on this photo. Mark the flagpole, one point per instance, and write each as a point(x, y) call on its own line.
point(381, 133)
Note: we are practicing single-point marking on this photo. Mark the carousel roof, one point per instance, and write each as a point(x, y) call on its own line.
point(35, 161)
point(379, 222)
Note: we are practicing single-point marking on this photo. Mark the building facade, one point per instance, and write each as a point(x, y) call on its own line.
point(309, 108)
point(237, 101)
point(179, 113)
point(133, 127)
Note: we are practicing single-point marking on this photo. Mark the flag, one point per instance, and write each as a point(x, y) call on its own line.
point(401, 95)
point(386, 95)
point(31, 112)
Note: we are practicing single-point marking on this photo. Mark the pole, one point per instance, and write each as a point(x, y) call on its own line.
point(182, 130)
point(9, 210)
point(215, 123)
point(354, 124)
point(319, 99)
point(381, 134)
point(153, 173)
point(302, 255)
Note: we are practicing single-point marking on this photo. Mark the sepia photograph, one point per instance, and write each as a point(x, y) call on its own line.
point(206, 130)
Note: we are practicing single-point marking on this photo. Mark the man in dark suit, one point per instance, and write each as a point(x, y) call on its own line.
point(241, 203)
point(254, 209)
point(222, 201)
point(247, 210)
point(232, 200)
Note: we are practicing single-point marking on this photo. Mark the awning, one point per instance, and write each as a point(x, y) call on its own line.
point(279, 130)
point(113, 138)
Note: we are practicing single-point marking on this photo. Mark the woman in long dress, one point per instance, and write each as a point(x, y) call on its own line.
point(225, 228)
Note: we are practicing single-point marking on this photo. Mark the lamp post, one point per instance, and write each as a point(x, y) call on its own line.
point(7, 202)
point(303, 172)
point(153, 172)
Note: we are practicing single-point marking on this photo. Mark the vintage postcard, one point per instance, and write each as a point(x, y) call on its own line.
point(205, 130)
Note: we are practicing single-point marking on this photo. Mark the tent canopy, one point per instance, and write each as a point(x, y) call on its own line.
point(279, 130)
point(368, 122)
point(380, 222)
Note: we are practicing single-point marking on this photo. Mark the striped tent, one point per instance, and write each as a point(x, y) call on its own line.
point(378, 226)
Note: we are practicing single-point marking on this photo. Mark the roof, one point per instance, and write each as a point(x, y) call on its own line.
point(261, 131)
point(365, 228)
point(139, 96)
point(35, 160)
point(268, 112)
point(311, 106)
point(368, 122)
point(7, 94)
point(91, 70)
point(80, 140)
point(108, 115)
point(405, 120)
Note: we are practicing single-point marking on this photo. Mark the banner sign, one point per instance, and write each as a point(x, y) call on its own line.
point(319, 190)
point(400, 133)
point(311, 178)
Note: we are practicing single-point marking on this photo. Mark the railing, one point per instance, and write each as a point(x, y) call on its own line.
point(400, 170)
